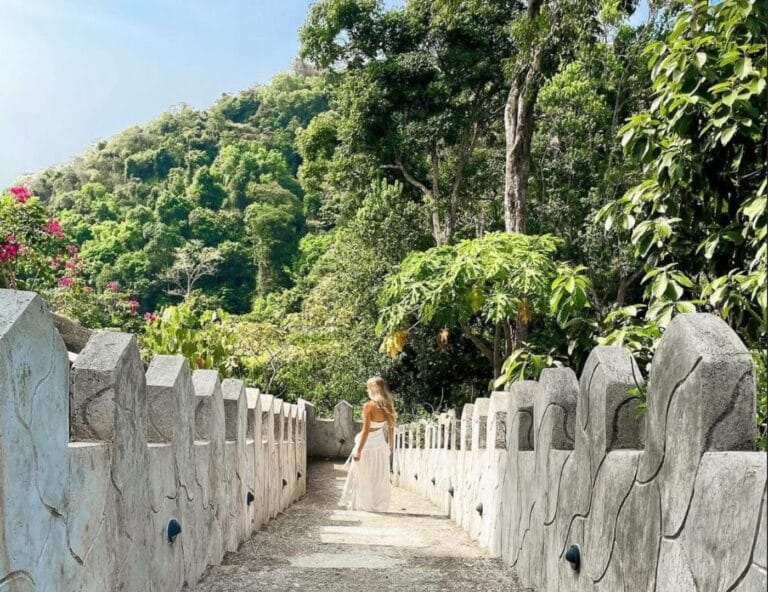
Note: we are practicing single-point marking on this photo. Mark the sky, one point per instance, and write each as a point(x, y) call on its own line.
point(73, 72)
point(76, 71)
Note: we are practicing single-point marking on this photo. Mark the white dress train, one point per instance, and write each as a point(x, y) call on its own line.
point(367, 486)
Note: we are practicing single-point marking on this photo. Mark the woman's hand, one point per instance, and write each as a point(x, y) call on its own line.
point(356, 455)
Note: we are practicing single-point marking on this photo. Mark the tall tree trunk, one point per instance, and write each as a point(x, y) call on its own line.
point(518, 131)
point(431, 196)
point(497, 357)
point(520, 335)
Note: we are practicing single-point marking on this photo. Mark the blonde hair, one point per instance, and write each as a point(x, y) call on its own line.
point(379, 394)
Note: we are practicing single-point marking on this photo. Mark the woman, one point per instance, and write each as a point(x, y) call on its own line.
point(367, 486)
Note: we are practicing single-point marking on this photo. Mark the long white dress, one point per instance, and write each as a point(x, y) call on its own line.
point(367, 486)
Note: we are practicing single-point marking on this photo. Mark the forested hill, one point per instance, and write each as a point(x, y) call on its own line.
point(216, 187)
point(454, 194)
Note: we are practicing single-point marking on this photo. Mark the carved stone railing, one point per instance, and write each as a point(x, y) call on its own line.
point(335, 437)
point(676, 501)
point(98, 462)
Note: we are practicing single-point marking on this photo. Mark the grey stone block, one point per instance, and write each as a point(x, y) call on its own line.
point(90, 514)
point(700, 397)
point(716, 544)
point(109, 395)
point(555, 408)
point(466, 426)
point(684, 513)
point(523, 395)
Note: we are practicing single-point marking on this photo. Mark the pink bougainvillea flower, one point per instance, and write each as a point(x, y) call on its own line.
point(53, 227)
point(9, 248)
point(133, 306)
point(73, 250)
point(65, 282)
point(150, 317)
point(21, 194)
point(71, 264)
point(113, 286)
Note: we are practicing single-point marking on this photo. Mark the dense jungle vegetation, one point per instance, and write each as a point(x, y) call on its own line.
point(451, 194)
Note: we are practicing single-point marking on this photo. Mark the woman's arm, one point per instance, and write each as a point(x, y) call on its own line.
point(391, 439)
point(364, 433)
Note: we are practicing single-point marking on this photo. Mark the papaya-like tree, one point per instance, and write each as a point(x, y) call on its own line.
point(487, 288)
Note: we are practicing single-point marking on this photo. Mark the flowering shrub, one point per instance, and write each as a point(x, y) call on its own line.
point(32, 245)
point(93, 307)
point(9, 248)
point(53, 227)
point(34, 255)
point(100, 307)
point(20, 194)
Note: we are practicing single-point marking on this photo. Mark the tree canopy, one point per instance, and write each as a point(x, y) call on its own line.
point(451, 194)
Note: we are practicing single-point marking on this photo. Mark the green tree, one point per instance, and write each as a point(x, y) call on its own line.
point(577, 164)
point(244, 164)
point(698, 219)
point(213, 227)
point(174, 209)
point(233, 285)
point(206, 190)
point(417, 91)
point(205, 338)
point(274, 223)
point(486, 288)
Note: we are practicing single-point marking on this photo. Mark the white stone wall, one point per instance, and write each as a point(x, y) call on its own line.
point(97, 458)
point(675, 502)
point(333, 438)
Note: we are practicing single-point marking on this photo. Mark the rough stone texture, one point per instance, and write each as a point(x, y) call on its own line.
point(701, 397)
point(333, 438)
point(209, 465)
point(677, 504)
point(109, 395)
point(34, 503)
point(95, 460)
point(317, 545)
point(75, 336)
point(171, 402)
point(718, 537)
point(235, 422)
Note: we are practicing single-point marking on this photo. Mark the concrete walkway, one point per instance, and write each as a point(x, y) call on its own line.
point(316, 545)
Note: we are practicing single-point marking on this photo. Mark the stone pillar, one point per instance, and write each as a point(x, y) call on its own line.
point(523, 398)
point(480, 423)
point(466, 426)
point(235, 425)
point(210, 458)
point(497, 429)
point(344, 427)
point(254, 448)
point(171, 406)
point(34, 475)
point(108, 403)
point(454, 431)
